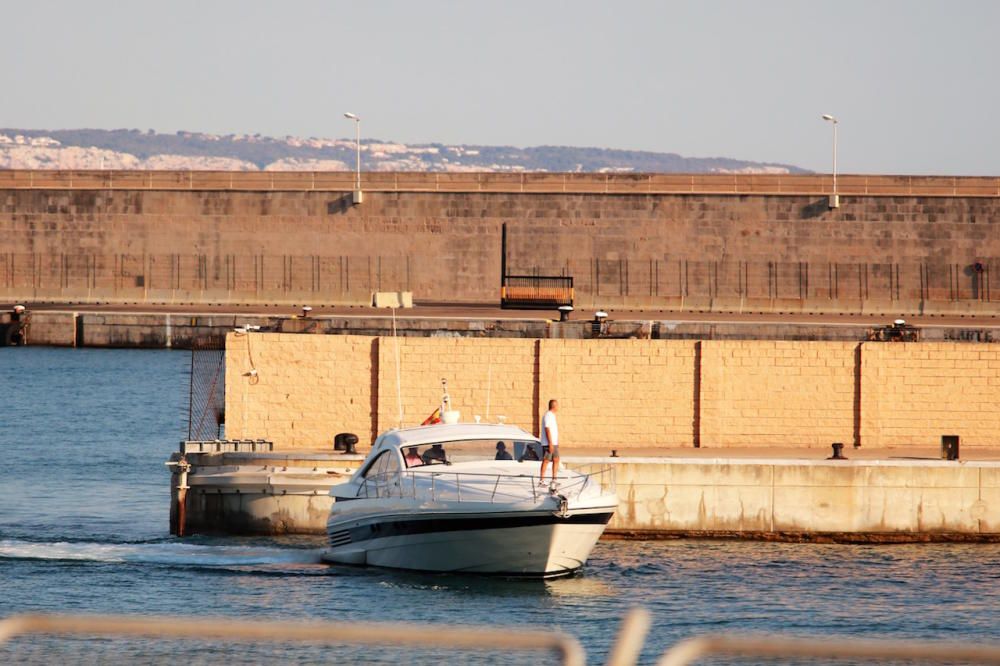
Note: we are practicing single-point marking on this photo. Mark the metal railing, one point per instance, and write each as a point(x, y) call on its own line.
point(341, 279)
point(440, 484)
point(536, 291)
point(579, 183)
point(566, 647)
point(625, 651)
point(777, 647)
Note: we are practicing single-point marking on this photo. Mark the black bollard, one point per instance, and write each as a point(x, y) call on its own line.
point(346, 442)
point(949, 447)
point(15, 334)
point(838, 452)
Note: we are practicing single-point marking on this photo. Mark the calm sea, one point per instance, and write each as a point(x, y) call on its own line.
point(83, 529)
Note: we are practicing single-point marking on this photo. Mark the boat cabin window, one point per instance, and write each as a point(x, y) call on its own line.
point(385, 463)
point(411, 456)
point(473, 450)
point(527, 451)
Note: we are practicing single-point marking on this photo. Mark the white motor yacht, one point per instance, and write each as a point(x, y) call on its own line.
point(467, 498)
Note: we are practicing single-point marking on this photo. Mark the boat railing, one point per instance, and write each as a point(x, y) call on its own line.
point(437, 483)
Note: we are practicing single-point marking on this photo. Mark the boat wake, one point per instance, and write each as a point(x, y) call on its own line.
point(162, 553)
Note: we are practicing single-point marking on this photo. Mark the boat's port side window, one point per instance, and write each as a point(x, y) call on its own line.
point(391, 463)
point(378, 465)
point(480, 450)
point(435, 454)
point(411, 456)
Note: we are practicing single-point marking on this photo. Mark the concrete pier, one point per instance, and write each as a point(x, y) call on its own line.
point(869, 500)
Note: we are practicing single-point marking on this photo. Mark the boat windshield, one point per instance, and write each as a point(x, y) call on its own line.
point(470, 450)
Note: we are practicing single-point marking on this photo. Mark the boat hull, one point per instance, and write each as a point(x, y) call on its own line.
point(535, 544)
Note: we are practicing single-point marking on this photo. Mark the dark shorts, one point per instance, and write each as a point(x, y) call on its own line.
point(548, 453)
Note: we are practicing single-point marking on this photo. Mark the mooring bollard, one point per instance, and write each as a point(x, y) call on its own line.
point(346, 442)
point(949, 447)
point(838, 452)
point(16, 331)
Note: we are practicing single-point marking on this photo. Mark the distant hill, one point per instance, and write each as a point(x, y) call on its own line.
point(135, 149)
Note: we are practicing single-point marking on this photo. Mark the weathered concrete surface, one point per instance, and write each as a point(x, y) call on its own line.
point(148, 326)
point(260, 493)
point(823, 497)
point(869, 500)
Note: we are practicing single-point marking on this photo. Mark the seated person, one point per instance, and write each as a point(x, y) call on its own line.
point(435, 454)
point(530, 453)
point(412, 458)
point(502, 452)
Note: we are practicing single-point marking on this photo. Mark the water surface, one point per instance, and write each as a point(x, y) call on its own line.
point(84, 503)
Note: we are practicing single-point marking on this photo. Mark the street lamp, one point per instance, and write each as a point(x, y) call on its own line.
point(835, 197)
point(357, 148)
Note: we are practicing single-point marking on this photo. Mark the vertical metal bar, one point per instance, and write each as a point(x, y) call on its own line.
point(191, 396)
point(503, 253)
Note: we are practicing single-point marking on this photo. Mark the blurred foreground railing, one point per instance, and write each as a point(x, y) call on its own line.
point(775, 647)
point(626, 650)
point(566, 647)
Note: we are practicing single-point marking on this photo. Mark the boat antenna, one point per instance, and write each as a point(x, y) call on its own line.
point(399, 390)
point(445, 398)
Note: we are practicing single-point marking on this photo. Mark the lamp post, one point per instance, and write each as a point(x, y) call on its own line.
point(835, 197)
point(357, 150)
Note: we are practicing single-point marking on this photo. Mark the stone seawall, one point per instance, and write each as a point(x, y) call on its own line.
point(893, 247)
point(299, 390)
point(793, 500)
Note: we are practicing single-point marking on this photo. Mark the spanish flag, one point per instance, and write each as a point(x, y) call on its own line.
point(435, 417)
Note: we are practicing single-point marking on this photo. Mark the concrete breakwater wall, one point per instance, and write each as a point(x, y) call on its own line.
point(299, 390)
point(182, 330)
point(712, 242)
point(876, 501)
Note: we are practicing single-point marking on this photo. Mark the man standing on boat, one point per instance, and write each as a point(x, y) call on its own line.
point(550, 443)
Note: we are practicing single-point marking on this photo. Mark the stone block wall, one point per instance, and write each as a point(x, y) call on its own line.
point(307, 388)
point(756, 393)
point(494, 376)
point(913, 393)
point(619, 393)
point(772, 252)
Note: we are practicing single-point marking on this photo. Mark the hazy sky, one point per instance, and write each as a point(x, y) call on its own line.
point(915, 84)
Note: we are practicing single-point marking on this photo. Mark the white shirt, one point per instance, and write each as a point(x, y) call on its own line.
point(549, 421)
